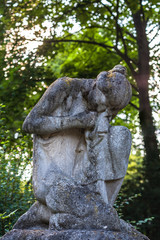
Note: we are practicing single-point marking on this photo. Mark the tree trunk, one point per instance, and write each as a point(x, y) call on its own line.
point(148, 129)
point(151, 193)
point(142, 78)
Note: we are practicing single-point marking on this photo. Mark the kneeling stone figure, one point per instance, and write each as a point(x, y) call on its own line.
point(80, 160)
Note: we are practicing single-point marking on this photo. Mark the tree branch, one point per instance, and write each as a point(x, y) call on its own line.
point(133, 105)
point(131, 35)
point(119, 32)
point(156, 35)
point(135, 95)
point(142, 11)
point(135, 88)
point(109, 10)
point(79, 41)
point(127, 59)
point(118, 28)
point(153, 27)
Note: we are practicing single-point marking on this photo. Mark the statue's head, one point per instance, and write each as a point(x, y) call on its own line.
point(115, 87)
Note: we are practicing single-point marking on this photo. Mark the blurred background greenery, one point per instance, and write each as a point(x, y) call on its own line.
point(42, 40)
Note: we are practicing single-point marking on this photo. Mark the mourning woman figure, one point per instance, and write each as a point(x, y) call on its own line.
point(73, 137)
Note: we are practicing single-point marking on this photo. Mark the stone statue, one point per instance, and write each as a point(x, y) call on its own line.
point(80, 160)
point(73, 135)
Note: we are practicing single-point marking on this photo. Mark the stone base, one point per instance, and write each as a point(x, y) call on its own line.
point(93, 221)
point(72, 213)
point(18, 234)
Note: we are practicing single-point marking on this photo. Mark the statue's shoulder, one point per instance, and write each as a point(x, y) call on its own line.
point(67, 86)
point(60, 83)
point(64, 84)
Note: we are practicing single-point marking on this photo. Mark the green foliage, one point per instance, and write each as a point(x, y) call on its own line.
point(132, 187)
point(80, 61)
point(130, 203)
point(15, 186)
point(122, 203)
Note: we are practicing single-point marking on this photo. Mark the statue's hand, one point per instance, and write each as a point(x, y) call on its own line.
point(87, 119)
point(100, 127)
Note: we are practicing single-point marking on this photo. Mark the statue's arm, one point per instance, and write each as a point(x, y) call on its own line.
point(47, 124)
point(40, 119)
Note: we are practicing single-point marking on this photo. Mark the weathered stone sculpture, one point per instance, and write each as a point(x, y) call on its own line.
point(80, 160)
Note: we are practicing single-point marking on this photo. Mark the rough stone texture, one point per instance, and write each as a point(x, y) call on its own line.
point(102, 234)
point(74, 207)
point(80, 160)
point(120, 231)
